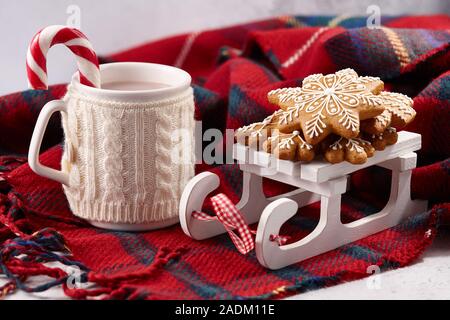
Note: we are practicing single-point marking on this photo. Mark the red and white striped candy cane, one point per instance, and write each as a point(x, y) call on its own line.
point(73, 39)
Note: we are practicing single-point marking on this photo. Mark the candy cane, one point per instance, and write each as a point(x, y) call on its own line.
point(73, 39)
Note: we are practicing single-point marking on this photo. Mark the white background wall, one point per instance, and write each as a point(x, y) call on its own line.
point(112, 25)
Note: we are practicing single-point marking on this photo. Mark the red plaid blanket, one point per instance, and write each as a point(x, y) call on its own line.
point(233, 69)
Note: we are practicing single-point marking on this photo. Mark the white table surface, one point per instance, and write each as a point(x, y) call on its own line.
point(427, 278)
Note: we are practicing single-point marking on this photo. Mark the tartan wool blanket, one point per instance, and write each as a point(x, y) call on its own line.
point(233, 69)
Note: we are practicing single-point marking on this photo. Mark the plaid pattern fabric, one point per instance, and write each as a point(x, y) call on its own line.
point(233, 69)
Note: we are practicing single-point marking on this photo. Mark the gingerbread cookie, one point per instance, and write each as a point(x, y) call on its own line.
point(284, 97)
point(398, 112)
point(355, 151)
point(381, 140)
point(377, 124)
point(400, 106)
point(333, 103)
point(289, 147)
point(256, 133)
point(373, 84)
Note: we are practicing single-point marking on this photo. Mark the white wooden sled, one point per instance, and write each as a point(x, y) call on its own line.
point(316, 181)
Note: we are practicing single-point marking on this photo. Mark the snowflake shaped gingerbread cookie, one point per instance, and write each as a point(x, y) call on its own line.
point(255, 134)
point(398, 112)
point(289, 147)
point(355, 150)
point(380, 140)
point(332, 103)
point(284, 97)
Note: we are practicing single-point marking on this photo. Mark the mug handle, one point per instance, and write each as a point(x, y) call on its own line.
point(36, 141)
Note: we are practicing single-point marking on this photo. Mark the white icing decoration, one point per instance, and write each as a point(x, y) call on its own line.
point(336, 145)
point(398, 104)
point(287, 142)
point(336, 94)
point(285, 94)
point(368, 79)
point(354, 145)
point(250, 127)
point(263, 125)
point(378, 136)
point(288, 116)
point(305, 145)
point(383, 118)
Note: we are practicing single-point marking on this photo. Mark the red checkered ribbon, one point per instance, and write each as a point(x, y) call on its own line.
point(234, 223)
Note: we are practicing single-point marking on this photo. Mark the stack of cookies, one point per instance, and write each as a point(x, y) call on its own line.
point(342, 116)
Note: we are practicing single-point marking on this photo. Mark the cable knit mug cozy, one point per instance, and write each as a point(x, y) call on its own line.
point(129, 146)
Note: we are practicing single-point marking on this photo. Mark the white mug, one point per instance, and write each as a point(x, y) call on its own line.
point(118, 169)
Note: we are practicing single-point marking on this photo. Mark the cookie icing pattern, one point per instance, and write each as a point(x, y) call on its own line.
point(335, 94)
point(399, 105)
point(284, 94)
point(384, 119)
point(351, 144)
point(285, 143)
point(381, 140)
point(256, 129)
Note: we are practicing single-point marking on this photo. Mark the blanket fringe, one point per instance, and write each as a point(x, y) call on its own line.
point(24, 257)
point(24, 254)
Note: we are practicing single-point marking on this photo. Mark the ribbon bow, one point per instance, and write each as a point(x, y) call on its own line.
point(234, 223)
